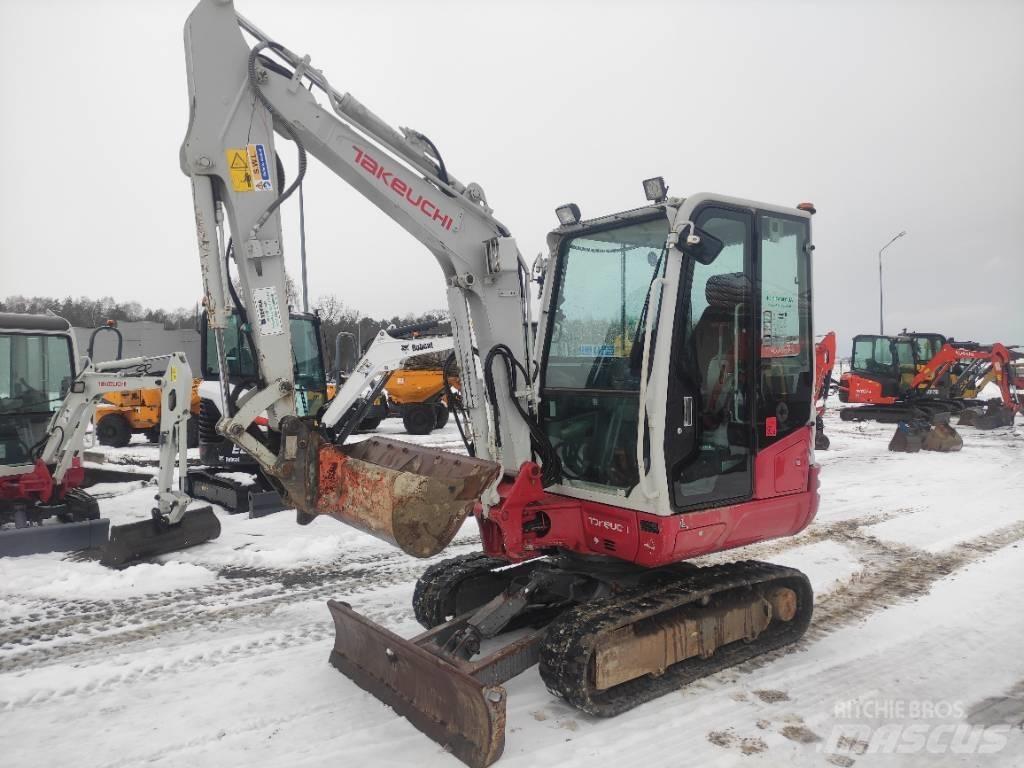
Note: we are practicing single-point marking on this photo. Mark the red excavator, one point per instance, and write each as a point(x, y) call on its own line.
point(895, 382)
point(824, 363)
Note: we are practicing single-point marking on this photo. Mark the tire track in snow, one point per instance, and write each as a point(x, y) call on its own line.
point(892, 574)
point(106, 626)
point(179, 661)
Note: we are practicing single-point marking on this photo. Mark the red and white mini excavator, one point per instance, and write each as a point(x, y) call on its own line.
point(47, 402)
point(663, 410)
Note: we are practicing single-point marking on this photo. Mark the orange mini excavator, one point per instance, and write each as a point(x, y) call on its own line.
point(894, 384)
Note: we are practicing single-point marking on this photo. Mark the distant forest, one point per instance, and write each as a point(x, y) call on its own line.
point(84, 312)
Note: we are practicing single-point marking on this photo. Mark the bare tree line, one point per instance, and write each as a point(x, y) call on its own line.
point(335, 315)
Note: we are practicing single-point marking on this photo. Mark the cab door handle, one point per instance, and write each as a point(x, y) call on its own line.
point(687, 411)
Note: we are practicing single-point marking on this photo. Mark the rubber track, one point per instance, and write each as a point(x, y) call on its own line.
point(440, 580)
point(571, 638)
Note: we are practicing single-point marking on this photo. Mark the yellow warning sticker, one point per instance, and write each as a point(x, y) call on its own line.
point(173, 373)
point(238, 166)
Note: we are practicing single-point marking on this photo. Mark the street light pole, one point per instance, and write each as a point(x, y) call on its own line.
point(881, 320)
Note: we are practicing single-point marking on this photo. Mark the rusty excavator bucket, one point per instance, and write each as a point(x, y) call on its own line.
point(411, 496)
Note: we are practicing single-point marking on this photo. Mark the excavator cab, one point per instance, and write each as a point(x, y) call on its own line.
point(308, 369)
point(874, 371)
point(37, 365)
point(738, 363)
point(926, 346)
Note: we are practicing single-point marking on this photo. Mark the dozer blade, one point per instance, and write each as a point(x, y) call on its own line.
point(148, 538)
point(413, 497)
point(444, 702)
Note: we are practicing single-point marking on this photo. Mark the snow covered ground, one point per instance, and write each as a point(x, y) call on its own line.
point(218, 656)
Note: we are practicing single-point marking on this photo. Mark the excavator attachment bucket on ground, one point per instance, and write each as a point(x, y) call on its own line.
point(413, 497)
point(148, 538)
point(446, 703)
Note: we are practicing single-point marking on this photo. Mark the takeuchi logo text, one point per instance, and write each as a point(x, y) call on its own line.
point(402, 189)
point(608, 525)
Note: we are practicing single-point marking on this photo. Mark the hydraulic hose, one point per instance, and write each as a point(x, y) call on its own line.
point(282, 126)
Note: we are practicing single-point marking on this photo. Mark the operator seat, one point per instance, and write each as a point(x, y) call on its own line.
point(724, 443)
point(722, 323)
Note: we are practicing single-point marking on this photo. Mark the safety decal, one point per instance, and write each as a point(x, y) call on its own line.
point(238, 167)
point(258, 168)
point(249, 169)
point(268, 311)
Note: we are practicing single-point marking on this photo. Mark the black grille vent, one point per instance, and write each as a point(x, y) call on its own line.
point(609, 545)
point(209, 415)
point(648, 526)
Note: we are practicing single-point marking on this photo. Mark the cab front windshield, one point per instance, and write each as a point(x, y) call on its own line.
point(307, 366)
point(35, 373)
point(927, 347)
point(593, 353)
point(873, 354)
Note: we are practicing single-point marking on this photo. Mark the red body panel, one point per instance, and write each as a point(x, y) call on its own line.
point(858, 389)
point(38, 485)
point(529, 519)
point(824, 362)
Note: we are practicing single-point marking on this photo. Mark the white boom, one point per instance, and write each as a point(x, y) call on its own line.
point(385, 355)
point(68, 426)
point(239, 98)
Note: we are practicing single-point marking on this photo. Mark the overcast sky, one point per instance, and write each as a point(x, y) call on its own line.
point(888, 116)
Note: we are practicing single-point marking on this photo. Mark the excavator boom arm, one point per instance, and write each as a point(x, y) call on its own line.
point(997, 355)
point(242, 99)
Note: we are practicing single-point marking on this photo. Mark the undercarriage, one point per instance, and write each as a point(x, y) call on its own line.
point(607, 636)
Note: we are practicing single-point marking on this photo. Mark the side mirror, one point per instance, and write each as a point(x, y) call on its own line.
point(699, 245)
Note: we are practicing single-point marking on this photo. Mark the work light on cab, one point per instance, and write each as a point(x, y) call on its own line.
point(568, 214)
point(655, 189)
